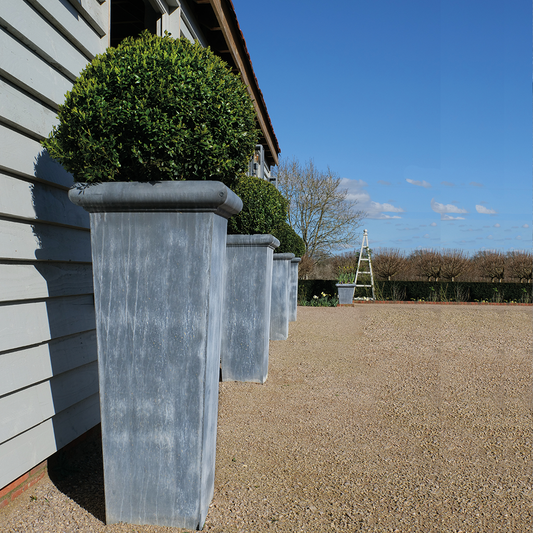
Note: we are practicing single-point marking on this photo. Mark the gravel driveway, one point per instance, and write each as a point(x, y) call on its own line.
point(374, 418)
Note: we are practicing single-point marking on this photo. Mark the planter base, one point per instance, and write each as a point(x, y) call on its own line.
point(246, 315)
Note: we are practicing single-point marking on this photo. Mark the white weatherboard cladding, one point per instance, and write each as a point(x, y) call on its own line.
point(31, 323)
point(48, 375)
point(23, 452)
point(22, 21)
point(45, 360)
point(26, 69)
point(28, 115)
point(20, 240)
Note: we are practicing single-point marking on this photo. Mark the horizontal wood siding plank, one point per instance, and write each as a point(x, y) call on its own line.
point(23, 368)
point(39, 35)
point(24, 113)
point(26, 157)
point(32, 323)
point(37, 201)
point(29, 71)
point(30, 448)
point(96, 12)
point(41, 280)
point(24, 241)
point(85, 31)
point(28, 407)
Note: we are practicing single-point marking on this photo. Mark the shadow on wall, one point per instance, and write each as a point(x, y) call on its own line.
point(63, 261)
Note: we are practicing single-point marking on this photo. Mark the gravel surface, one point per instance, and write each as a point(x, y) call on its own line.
point(374, 418)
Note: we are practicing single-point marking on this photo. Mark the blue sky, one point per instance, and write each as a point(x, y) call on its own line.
point(423, 107)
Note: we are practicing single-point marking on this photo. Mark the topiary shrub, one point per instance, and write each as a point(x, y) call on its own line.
point(289, 241)
point(264, 207)
point(155, 108)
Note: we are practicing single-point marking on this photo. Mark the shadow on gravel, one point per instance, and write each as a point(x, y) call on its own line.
point(78, 472)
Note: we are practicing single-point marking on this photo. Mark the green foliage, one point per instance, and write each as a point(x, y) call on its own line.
point(264, 207)
point(155, 108)
point(322, 300)
point(289, 241)
point(346, 274)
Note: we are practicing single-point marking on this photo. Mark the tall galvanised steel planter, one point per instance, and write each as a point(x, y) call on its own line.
point(158, 265)
point(293, 289)
point(246, 312)
point(279, 312)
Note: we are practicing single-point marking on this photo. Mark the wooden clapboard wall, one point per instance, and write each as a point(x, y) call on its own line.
point(48, 372)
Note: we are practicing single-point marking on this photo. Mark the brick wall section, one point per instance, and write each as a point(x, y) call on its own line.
point(23, 483)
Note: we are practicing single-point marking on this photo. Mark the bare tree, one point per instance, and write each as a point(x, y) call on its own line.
point(306, 267)
point(319, 208)
point(520, 265)
point(427, 263)
point(454, 263)
point(387, 262)
point(490, 264)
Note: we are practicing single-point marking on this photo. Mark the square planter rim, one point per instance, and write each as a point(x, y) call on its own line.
point(296, 260)
point(172, 196)
point(257, 239)
point(345, 285)
point(283, 257)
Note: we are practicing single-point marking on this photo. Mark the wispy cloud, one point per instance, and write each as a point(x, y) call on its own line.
point(485, 210)
point(448, 217)
point(476, 184)
point(446, 208)
point(422, 183)
point(387, 183)
point(525, 226)
point(496, 226)
point(447, 184)
point(373, 210)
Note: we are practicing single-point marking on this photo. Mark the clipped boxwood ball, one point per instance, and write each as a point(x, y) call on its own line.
point(264, 207)
point(289, 241)
point(155, 108)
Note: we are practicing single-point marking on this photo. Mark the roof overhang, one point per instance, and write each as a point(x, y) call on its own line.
point(225, 38)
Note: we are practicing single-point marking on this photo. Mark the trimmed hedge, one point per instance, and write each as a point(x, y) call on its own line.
point(428, 291)
point(155, 108)
point(264, 207)
point(290, 241)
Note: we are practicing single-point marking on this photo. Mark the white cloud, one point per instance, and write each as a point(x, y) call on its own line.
point(519, 237)
point(374, 210)
point(448, 217)
point(485, 210)
point(446, 208)
point(496, 225)
point(434, 224)
point(476, 184)
point(422, 183)
point(426, 236)
point(525, 226)
point(382, 182)
point(447, 184)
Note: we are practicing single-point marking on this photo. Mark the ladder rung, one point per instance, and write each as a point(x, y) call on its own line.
point(363, 285)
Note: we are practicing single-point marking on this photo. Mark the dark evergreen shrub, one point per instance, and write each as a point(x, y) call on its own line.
point(290, 241)
point(155, 108)
point(264, 207)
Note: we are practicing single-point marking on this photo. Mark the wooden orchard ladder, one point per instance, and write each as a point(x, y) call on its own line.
point(364, 257)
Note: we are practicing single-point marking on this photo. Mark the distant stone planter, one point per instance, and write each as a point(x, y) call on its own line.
point(293, 289)
point(247, 302)
point(158, 255)
point(279, 313)
point(345, 292)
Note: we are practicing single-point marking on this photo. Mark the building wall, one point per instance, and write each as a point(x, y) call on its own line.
point(48, 367)
point(48, 372)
